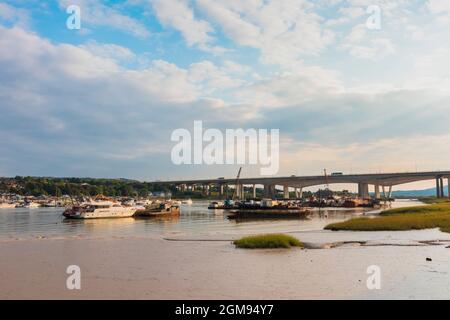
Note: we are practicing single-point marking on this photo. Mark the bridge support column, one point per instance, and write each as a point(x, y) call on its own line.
point(286, 192)
point(442, 188)
point(206, 190)
point(221, 190)
point(390, 192)
point(363, 190)
point(269, 191)
point(438, 187)
point(377, 192)
point(240, 194)
point(254, 191)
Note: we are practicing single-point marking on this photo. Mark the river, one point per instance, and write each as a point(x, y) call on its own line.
point(195, 220)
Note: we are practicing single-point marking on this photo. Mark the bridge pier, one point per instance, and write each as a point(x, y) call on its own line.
point(363, 190)
point(286, 192)
point(298, 193)
point(377, 192)
point(254, 191)
point(440, 187)
point(269, 191)
point(240, 191)
point(237, 190)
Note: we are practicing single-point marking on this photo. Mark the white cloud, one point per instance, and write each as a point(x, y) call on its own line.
point(282, 30)
point(361, 44)
point(297, 87)
point(214, 77)
point(86, 100)
point(14, 16)
point(109, 51)
point(178, 15)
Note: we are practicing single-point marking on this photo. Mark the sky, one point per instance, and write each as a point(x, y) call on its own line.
point(102, 101)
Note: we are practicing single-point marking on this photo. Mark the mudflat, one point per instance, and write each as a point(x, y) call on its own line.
point(334, 267)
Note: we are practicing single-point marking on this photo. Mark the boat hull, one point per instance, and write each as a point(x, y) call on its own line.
point(269, 213)
point(172, 211)
point(101, 214)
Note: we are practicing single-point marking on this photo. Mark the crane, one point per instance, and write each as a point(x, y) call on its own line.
point(237, 183)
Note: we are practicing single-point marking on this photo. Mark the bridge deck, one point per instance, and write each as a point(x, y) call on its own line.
point(382, 179)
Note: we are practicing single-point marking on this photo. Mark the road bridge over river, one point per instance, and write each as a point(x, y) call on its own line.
point(382, 182)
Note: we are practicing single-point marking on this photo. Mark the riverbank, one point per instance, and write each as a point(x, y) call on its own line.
point(413, 218)
point(156, 268)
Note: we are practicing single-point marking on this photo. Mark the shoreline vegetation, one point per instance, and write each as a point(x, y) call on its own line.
point(89, 187)
point(434, 215)
point(268, 241)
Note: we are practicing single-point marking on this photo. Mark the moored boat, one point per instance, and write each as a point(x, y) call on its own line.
point(188, 202)
point(269, 208)
point(162, 209)
point(99, 209)
point(216, 205)
point(269, 213)
point(227, 204)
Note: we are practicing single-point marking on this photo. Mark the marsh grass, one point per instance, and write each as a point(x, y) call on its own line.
point(413, 218)
point(268, 241)
point(434, 200)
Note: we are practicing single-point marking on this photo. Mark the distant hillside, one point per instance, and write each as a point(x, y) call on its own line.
point(417, 193)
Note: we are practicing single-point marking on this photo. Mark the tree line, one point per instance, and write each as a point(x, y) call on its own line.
point(44, 186)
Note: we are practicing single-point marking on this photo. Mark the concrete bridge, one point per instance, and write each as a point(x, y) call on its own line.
point(381, 182)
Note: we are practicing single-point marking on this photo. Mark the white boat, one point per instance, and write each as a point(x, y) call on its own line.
point(100, 209)
point(6, 205)
point(188, 202)
point(216, 205)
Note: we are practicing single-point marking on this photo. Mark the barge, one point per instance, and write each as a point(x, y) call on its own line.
point(164, 209)
point(271, 209)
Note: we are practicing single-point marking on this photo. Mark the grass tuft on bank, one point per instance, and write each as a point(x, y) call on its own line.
point(413, 218)
point(268, 241)
point(434, 200)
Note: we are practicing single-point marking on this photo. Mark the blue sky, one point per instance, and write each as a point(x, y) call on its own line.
point(102, 101)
